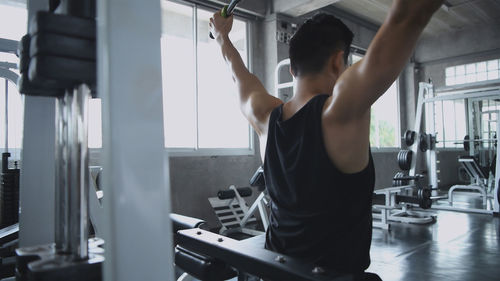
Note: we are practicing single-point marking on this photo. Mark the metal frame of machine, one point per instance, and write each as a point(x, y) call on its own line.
point(427, 95)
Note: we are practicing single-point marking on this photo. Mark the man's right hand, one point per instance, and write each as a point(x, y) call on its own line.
point(220, 26)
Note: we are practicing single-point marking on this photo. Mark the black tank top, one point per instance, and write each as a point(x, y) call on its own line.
point(318, 213)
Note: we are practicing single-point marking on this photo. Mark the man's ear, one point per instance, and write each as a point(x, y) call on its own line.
point(336, 62)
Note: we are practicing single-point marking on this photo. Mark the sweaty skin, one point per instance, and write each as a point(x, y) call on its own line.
point(346, 114)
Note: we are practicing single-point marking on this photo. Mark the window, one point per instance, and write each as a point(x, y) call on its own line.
point(95, 124)
point(489, 110)
point(384, 126)
point(13, 25)
point(450, 122)
point(13, 21)
point(473, 72)
point(200, 102)
point(15, 115)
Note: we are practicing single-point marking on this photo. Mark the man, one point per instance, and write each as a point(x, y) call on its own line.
point(317, 163)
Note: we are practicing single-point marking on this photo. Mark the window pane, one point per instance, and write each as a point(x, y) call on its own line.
point(471, 68)
point(450, 71)
point(13, 21)
point(356, 58)
point(460, 121)
point(470, 78)
point(384, 125)
point(450, 81)
point(449, 122)
point(95, 123)
point(492, 75)
point(460, 79)
point(438, 121)
point(220, 122)
point(481, 67)
point(179, 80)
point(460, 70)
point(16, 115)
point(482, 76)
point(493, 65)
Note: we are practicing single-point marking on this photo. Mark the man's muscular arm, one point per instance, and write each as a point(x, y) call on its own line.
point(363, 83)
point(255, 102)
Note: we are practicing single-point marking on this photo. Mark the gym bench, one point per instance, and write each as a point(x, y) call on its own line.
point(210, 256)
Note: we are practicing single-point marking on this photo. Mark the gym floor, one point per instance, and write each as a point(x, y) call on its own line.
point(457, 246)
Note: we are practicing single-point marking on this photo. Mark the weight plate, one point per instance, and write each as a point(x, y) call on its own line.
point(409, 137)
point(422, 143)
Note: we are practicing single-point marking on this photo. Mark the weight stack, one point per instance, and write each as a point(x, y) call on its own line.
point(9, 193)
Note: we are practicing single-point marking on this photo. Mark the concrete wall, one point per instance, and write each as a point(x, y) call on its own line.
point(194, 179)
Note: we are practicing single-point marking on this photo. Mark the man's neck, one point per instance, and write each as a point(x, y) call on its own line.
point(313, 85)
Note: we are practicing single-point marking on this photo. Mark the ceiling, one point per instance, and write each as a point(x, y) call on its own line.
point(454, 15)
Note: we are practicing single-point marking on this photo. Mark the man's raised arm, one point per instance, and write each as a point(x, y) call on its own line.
point(255, 102)
point(363, 83)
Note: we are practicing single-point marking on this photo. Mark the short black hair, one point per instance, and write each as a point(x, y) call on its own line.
point(315, 41)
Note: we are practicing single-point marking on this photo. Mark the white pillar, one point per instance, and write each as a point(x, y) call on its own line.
point(136, 203)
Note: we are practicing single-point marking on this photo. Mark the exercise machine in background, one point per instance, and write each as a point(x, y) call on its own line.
point(481, 150)
point(237, 219)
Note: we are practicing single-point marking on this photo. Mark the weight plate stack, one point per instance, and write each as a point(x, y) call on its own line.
point(397, 181)
point(58, 53)
point(9, 198)
point(404, 159)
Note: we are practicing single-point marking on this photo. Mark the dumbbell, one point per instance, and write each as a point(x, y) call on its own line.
point(422, 199)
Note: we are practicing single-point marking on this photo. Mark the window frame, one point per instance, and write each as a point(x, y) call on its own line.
point(482, 83)
point(214, 152)
point(446, 140)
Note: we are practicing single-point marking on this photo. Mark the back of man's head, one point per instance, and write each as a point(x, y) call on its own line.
point(315, 41)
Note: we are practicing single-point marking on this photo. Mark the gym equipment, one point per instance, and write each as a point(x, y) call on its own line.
point(409, 137)
point(404, 159)
point(476, 174)
point(426, 142)
point(58, 60)
point(479, 179)
point(9, 193)
point(8, 243)
point(399, 202)
point(399, 180)
point(209, 256)
point(58, 53)
point(227, 10)
point(233, 212)
point(467, 142)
